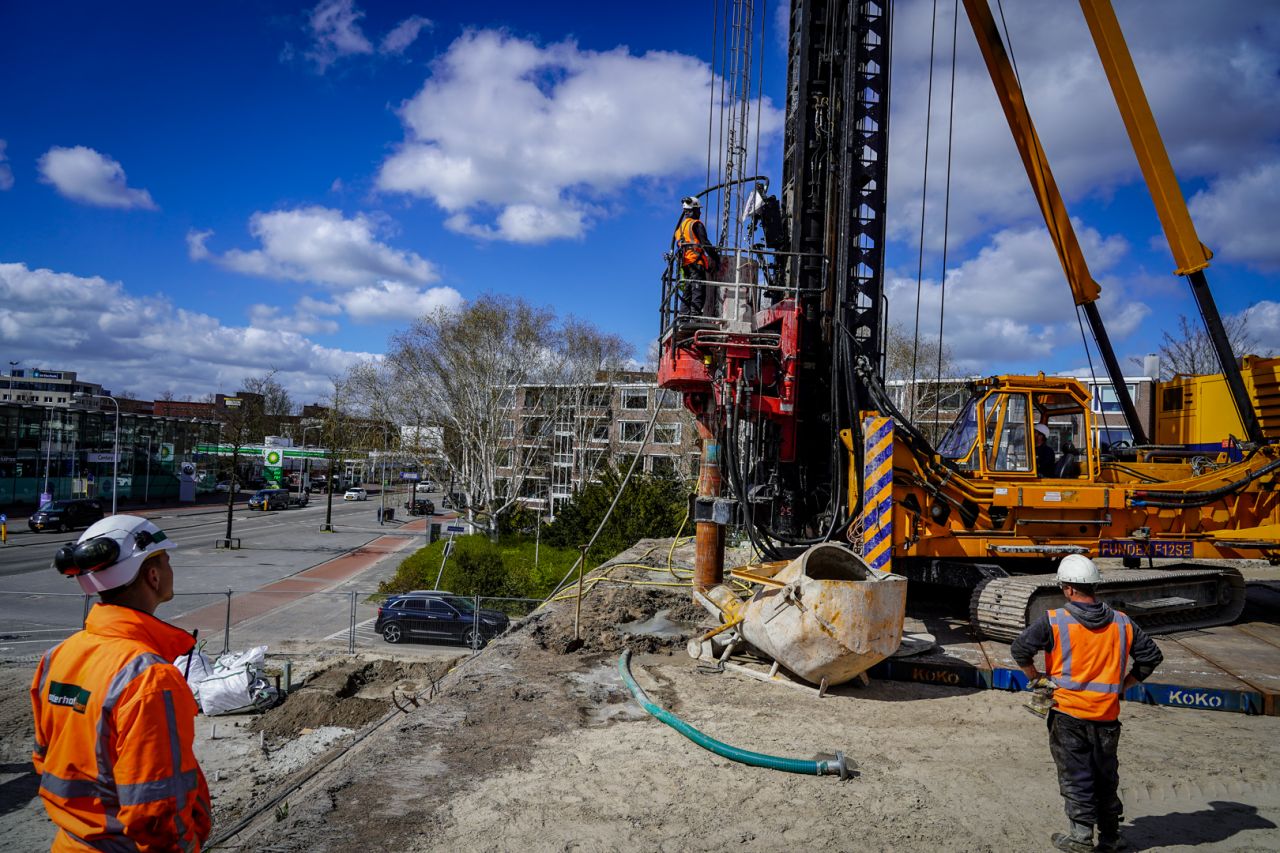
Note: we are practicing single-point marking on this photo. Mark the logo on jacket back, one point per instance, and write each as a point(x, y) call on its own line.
point(72, 696)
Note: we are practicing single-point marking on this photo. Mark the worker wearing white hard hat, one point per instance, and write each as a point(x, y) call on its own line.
point(1087, 647)
point(696, 257)
point(114, 718)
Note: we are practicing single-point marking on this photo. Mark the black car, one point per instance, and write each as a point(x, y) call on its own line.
point(434, 615)
point(270, 499)
point(420, 506)
point(66, 515)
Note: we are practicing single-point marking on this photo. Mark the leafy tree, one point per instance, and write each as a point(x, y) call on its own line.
point(651, 505)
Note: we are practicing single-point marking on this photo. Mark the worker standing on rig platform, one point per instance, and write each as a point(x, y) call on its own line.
point(698, 257)
point(1087, 647)
point(114, 719)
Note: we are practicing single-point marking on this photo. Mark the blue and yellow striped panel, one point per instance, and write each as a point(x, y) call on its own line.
point(877, 499)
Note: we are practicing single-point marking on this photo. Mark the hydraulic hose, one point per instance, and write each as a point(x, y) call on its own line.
point(1157, 498)
point(837, 766)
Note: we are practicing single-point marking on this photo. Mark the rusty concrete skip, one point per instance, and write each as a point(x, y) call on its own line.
point(833, 618)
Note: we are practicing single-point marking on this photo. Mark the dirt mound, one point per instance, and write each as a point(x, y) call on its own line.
point(614, 617)
point(349, 694)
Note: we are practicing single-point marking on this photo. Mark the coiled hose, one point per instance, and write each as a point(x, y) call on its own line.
point(837, 766)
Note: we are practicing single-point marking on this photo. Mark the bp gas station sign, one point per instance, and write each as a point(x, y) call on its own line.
point(271, 459)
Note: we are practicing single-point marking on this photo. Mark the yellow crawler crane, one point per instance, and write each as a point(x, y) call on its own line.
point(979, 505)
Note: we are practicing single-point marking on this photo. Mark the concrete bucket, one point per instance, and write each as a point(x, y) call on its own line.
point(826, 615)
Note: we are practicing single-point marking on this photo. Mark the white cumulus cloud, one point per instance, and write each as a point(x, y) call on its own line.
point(405, 33)
point(107, 334)
point(84, 175)
point(6, 173)
point(1264, 323)
point(320, 245)
point(1010, 303)
point(1237, 216)
point(531, 137)
point(334, 33)
point(392, 300)
point(1211, 81)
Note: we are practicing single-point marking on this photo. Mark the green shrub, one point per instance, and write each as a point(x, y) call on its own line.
point(479, 567)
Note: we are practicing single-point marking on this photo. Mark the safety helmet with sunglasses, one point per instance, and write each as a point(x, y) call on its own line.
point(110, 553)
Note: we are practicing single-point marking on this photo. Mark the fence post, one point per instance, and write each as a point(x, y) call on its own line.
point(351, 630)
point(226, 628)
point(475, 627)
point(84, 618)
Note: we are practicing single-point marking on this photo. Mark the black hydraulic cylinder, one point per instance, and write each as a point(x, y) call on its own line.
point(1226, 358)
point(1114, 372)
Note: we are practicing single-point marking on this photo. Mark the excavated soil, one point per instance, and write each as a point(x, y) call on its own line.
point(347, 695)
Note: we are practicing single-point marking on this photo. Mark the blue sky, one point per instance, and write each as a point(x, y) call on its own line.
point(194, 193)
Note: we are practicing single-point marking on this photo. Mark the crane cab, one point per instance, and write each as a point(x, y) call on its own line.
point(994, 434)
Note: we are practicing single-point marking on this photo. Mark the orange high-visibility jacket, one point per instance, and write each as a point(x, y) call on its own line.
point(115, 722)
point(1089, 665)
point(690, 247)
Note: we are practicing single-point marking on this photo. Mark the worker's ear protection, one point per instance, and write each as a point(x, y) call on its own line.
point(98, 553)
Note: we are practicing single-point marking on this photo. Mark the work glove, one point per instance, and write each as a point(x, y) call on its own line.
point(1041, 701)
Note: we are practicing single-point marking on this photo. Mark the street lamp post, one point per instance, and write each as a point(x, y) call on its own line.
point(115, 461)
point(382, 492)
point(306, 460)
point(146, 489)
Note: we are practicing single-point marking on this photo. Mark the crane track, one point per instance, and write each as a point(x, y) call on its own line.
point(1001, 607)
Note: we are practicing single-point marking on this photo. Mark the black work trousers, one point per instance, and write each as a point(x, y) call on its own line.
point(1088, 769)
point(693, 293)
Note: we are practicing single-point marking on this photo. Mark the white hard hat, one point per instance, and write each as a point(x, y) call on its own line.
point(1077, 568)
point(690, 203)
point(1043, 430)
point(110, 553)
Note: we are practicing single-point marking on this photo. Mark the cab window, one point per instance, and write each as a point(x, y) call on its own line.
point(1006, 421)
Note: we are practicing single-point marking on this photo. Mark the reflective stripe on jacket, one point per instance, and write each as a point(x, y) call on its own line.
point(689, 246)
point(114, 726)
point(1089, 665)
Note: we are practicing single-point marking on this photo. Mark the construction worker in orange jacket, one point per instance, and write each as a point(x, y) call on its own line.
point(696, 256)
point(114, 718)
point(1087, 647)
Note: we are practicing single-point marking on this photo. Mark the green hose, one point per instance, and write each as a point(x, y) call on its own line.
point(834, 767)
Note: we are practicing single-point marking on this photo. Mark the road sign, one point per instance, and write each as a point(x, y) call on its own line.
point(455, 528)
point(3, 518)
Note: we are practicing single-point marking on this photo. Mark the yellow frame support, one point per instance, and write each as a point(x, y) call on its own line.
point(1188, 252)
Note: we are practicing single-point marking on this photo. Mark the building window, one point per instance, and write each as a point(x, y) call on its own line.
point(662, 466)
point(600, 432)
point(666, 434)
point(669, 398)
point(635, 398)
point(1105, 398)
point(631, 431)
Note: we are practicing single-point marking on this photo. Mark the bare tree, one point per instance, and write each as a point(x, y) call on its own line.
point(481, 390)
point(1191, 352)
point(914, 367)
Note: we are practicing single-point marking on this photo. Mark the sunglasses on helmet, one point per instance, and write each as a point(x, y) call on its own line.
point(98, 553)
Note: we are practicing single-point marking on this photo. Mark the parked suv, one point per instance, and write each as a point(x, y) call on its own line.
point(435, 615)
point(65, 515)
point(420, 506)
point(269, 499)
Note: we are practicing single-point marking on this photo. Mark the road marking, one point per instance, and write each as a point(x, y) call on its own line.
point(345, 631)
